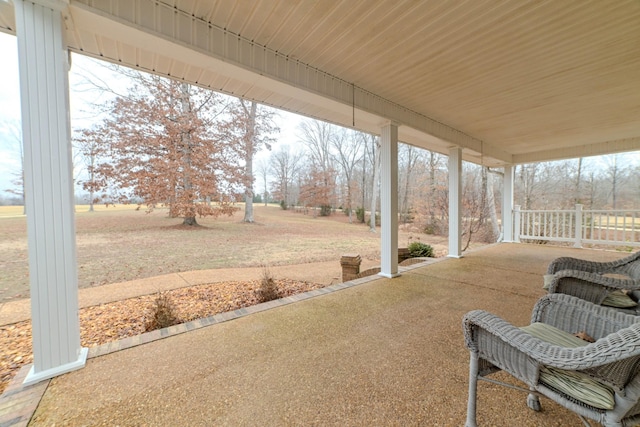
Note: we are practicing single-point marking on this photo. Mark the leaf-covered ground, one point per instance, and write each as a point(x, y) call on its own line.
point(109, 322)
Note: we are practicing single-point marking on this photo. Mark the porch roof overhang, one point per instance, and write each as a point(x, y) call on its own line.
point(508, 81)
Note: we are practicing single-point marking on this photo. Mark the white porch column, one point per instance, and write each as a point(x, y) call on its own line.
point(455, 202)
point(578, 230)
point(507, 204)
point(389, 200)
point(44, 92)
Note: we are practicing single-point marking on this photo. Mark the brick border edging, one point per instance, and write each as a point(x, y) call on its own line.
point(18, 403)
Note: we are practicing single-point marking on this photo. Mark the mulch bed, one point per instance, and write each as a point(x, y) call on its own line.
point(113, 321)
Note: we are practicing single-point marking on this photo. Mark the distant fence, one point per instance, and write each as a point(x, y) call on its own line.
point(578, 226)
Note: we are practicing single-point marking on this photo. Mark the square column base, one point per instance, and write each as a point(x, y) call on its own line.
point(389, 276)
point(33, 377)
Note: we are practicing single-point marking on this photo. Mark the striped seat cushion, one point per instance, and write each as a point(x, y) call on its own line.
point(619, 299)
point(575, 384)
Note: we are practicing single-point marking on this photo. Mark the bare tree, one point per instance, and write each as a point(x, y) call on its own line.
point(316, 190)
point(254, 127)
point(90, 146)
point(490, 204)
point(285, 167)
point(13, 140)
point(263, 172)
point(348, 146)
point(434, 165)
point(474, 201)
point(408, 157)
point(317, 136)
point(577, 198)
point(528, 174)
point(615, 174)
point(373, 144)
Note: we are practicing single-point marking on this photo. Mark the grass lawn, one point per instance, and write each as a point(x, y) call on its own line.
point(122, 243)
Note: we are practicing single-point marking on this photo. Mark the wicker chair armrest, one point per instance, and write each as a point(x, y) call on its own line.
point(634, 257)
point(588, 286)
point(572, 314)
point(615, 347)
point(569, 263)
point(606, 281)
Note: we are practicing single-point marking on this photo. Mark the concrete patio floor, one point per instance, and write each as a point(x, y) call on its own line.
point(384, 352)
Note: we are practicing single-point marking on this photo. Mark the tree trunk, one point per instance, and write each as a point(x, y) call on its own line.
point(364, 176)
point(491, 202)
point(189, 219)
point(578, 198)
point(614, 181)
point(374, 192)
point(92, 180)
point(349, 202)
point(432, 190)
point(24, 200)
point(249, 148)
point(407, 184)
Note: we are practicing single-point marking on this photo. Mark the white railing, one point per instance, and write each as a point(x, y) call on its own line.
point(578, 226)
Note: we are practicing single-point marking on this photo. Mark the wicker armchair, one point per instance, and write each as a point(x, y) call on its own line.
point(592, 281)
point(612, 362)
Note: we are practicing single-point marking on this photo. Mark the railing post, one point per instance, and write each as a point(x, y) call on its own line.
point(516, 224)
point(578, 231)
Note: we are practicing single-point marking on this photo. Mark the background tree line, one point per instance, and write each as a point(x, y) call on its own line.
point(333, 167)
point(161, 142)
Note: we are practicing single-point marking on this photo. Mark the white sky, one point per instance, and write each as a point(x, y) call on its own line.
point(9, 111)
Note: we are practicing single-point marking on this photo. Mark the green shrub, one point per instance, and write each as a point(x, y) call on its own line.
point(325, 210)
point(419, 249)
point(162, 314)
point(360, 214)
point(283, 205)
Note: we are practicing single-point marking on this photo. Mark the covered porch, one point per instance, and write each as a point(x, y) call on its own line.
point(495, 83)
point(380, 352)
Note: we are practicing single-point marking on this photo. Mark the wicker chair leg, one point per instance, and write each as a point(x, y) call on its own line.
point(533, 402)
point(607, 422)
point(473, 388)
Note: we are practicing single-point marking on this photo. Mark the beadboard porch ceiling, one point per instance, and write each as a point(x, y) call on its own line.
point(509, 81)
